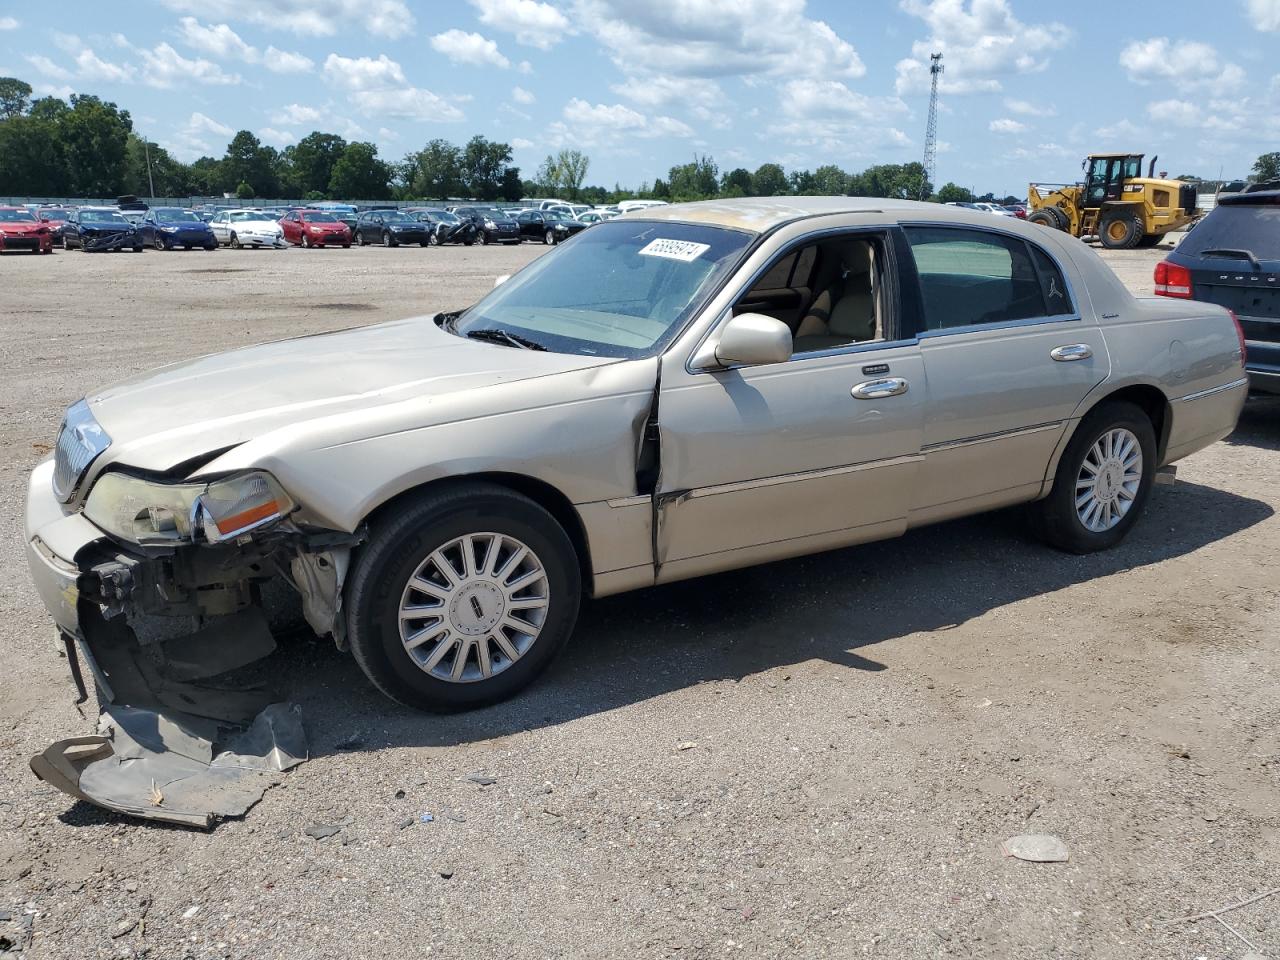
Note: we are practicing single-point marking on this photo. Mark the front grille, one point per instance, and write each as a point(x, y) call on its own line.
point(21, 243)
point(80, 441)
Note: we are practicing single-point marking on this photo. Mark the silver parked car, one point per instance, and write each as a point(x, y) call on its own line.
point(247, 228)
point(689, 389)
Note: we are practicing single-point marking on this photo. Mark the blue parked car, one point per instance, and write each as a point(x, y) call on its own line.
point(168, 227)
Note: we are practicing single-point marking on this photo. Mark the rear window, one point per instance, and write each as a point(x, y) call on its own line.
point(1237, 226)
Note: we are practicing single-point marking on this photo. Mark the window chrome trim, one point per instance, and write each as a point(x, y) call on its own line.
point(988, 437)
point(1066, 276)
point(1233, 385)
point(996, 325)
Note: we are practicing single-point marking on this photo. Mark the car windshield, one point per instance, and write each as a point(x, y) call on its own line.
point(101, 216)
point(16, 216)
point(620, 290)
point(395, 216)
point(1254, 227)
point(245, 216)
point(54, 214)
point(173, 215)
point(554, 215)
point(444, 216)
point(318, 218)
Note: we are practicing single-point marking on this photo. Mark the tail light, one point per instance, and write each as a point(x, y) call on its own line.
point(1244, 350)
point(1173, 280)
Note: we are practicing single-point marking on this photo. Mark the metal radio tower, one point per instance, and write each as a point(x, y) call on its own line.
point(931, 132)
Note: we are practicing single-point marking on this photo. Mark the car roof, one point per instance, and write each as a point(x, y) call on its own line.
point(1256, 198)
point(760, 214)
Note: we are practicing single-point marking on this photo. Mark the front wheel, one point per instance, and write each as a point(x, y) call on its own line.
point(306, 240)
point(234, 243)
point(462, 597)
point(157, 242)
point(484, 239)
point(1121, 232)
point(1103, 481)
point(386, 238)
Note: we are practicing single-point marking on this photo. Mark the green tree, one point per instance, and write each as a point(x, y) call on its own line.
point(549, 177)
point(14, 96)
point(511, 188)
point(95, 138)
point(435, 171)
point(171, 178)
point(206, 176)
point(573, 166)
point(244, 192)
point(802, 183)
point(360, 175)
point(1266, 167)
point(248, 161)
point(904, 181)
point(32, 162)
point(483, 163)
point(660, 191)
point(950, 193)
point(736, 183)
point(830, 181)
point(768, 181)
point(692, 181)
point(312, 159)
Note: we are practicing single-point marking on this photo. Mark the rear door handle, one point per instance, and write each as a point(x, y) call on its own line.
point(879, 389)
point(1072, 351)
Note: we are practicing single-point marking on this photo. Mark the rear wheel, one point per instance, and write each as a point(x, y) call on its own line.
point(1150, 240)
point(1120, 231)
point(234, 243)
point(462, 597)
point(66, 244)
point(1103, 480)
point(360, 241)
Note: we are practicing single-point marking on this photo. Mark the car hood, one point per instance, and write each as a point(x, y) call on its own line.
point(184, 224)
point(21, 229)
point(183, 413)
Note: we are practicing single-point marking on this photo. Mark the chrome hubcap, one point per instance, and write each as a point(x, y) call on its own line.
point(1108, 481)
point(474, 607)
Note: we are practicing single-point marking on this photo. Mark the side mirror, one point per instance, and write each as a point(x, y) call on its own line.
point(499, 281)
point(749, 339)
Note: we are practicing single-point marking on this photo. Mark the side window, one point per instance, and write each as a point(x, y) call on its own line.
point(1056, 296)
point(778, 275)
point(970, 277)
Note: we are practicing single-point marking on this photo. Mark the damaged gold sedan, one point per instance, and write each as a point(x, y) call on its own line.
point(681, 391)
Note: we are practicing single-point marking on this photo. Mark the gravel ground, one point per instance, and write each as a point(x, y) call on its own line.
point(817, 758)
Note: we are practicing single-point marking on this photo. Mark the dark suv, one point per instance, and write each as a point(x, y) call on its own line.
point(492, 225)
point(1232, 258)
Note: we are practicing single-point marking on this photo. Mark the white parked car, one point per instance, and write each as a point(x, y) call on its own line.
point(247, 228)
point(626, 206)
point(595, 216)
point(994, 208)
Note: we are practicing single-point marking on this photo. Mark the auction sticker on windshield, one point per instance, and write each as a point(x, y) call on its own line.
point(684, 250)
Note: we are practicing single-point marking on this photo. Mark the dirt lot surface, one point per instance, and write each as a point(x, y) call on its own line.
point(867, 726)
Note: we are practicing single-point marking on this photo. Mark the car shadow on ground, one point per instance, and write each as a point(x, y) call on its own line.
point(847, 607)
point(1259, 424)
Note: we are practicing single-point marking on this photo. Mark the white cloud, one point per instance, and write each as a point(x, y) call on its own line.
point(521, 95)
point(706, 38)
point(1122, 130)
point(980, 43)
point(363, 73)
point(520, 143)
point(295, 114)
point(830, 98)
point(67, 42)
point(1028, 109)
point(47, 67)
point(317, 18)
point(380, 87)
point(200, 134)
point(1180, 113)
point(825, 118)
point(199, 123)
point(62, 92)
point(534, 24)
point(8, 23)
point(1186, 65)
point(462, 47)
point(163, 67)
point(89, 66)
point(656, 90)
point(588, 124)
point(385, 133)
point(219, 40)
point(1265, 14)
point(1007, 125)
point(279, 138)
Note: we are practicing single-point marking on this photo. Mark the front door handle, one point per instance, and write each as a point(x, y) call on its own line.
point(879, 389)
point(1072, 351)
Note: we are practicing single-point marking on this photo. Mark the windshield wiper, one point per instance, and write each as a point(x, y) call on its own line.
point(1237, 252)
point(498, 335)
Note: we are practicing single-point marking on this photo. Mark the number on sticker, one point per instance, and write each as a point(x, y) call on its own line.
point(684, 250)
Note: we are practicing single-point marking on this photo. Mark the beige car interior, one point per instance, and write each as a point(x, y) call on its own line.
point(830, 293)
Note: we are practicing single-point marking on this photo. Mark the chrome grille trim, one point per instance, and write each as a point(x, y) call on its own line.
point(80, 441)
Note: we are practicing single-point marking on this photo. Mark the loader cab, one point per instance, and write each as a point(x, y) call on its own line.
point(1105, 175)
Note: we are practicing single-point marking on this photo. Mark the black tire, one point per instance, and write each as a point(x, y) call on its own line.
point(306, 240)
point(158, 242)
point(234, 242)
point(1149, 240)
point(66, 244)
point(549, 237)
point(138, 249)
point(484, 239)
point(435, 240)
point(403, 539)
point(1120, 231)
point(388, 240)
point(1050, 217)
point(1056, 519)
point(424, 243)
point(468, 243)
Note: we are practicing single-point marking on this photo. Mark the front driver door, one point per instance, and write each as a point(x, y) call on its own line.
point(759, 463)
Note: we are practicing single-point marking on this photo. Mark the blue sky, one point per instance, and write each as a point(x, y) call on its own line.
point(640, 85)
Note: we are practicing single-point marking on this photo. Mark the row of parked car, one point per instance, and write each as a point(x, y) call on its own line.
point(134, 226)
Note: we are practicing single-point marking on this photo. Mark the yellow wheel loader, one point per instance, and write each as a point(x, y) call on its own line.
point(1115, 203)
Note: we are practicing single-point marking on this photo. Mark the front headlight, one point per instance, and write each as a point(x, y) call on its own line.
point(169, 229)
point(150, 512)
point(490, 225)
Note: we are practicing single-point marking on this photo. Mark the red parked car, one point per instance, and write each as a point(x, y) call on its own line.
point(315, 228)
point(20, 229)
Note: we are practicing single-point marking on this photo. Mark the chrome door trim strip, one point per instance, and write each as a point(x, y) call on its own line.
point(1234, 384)
point(988, 437)
point(741, 485)
point(629, 501)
